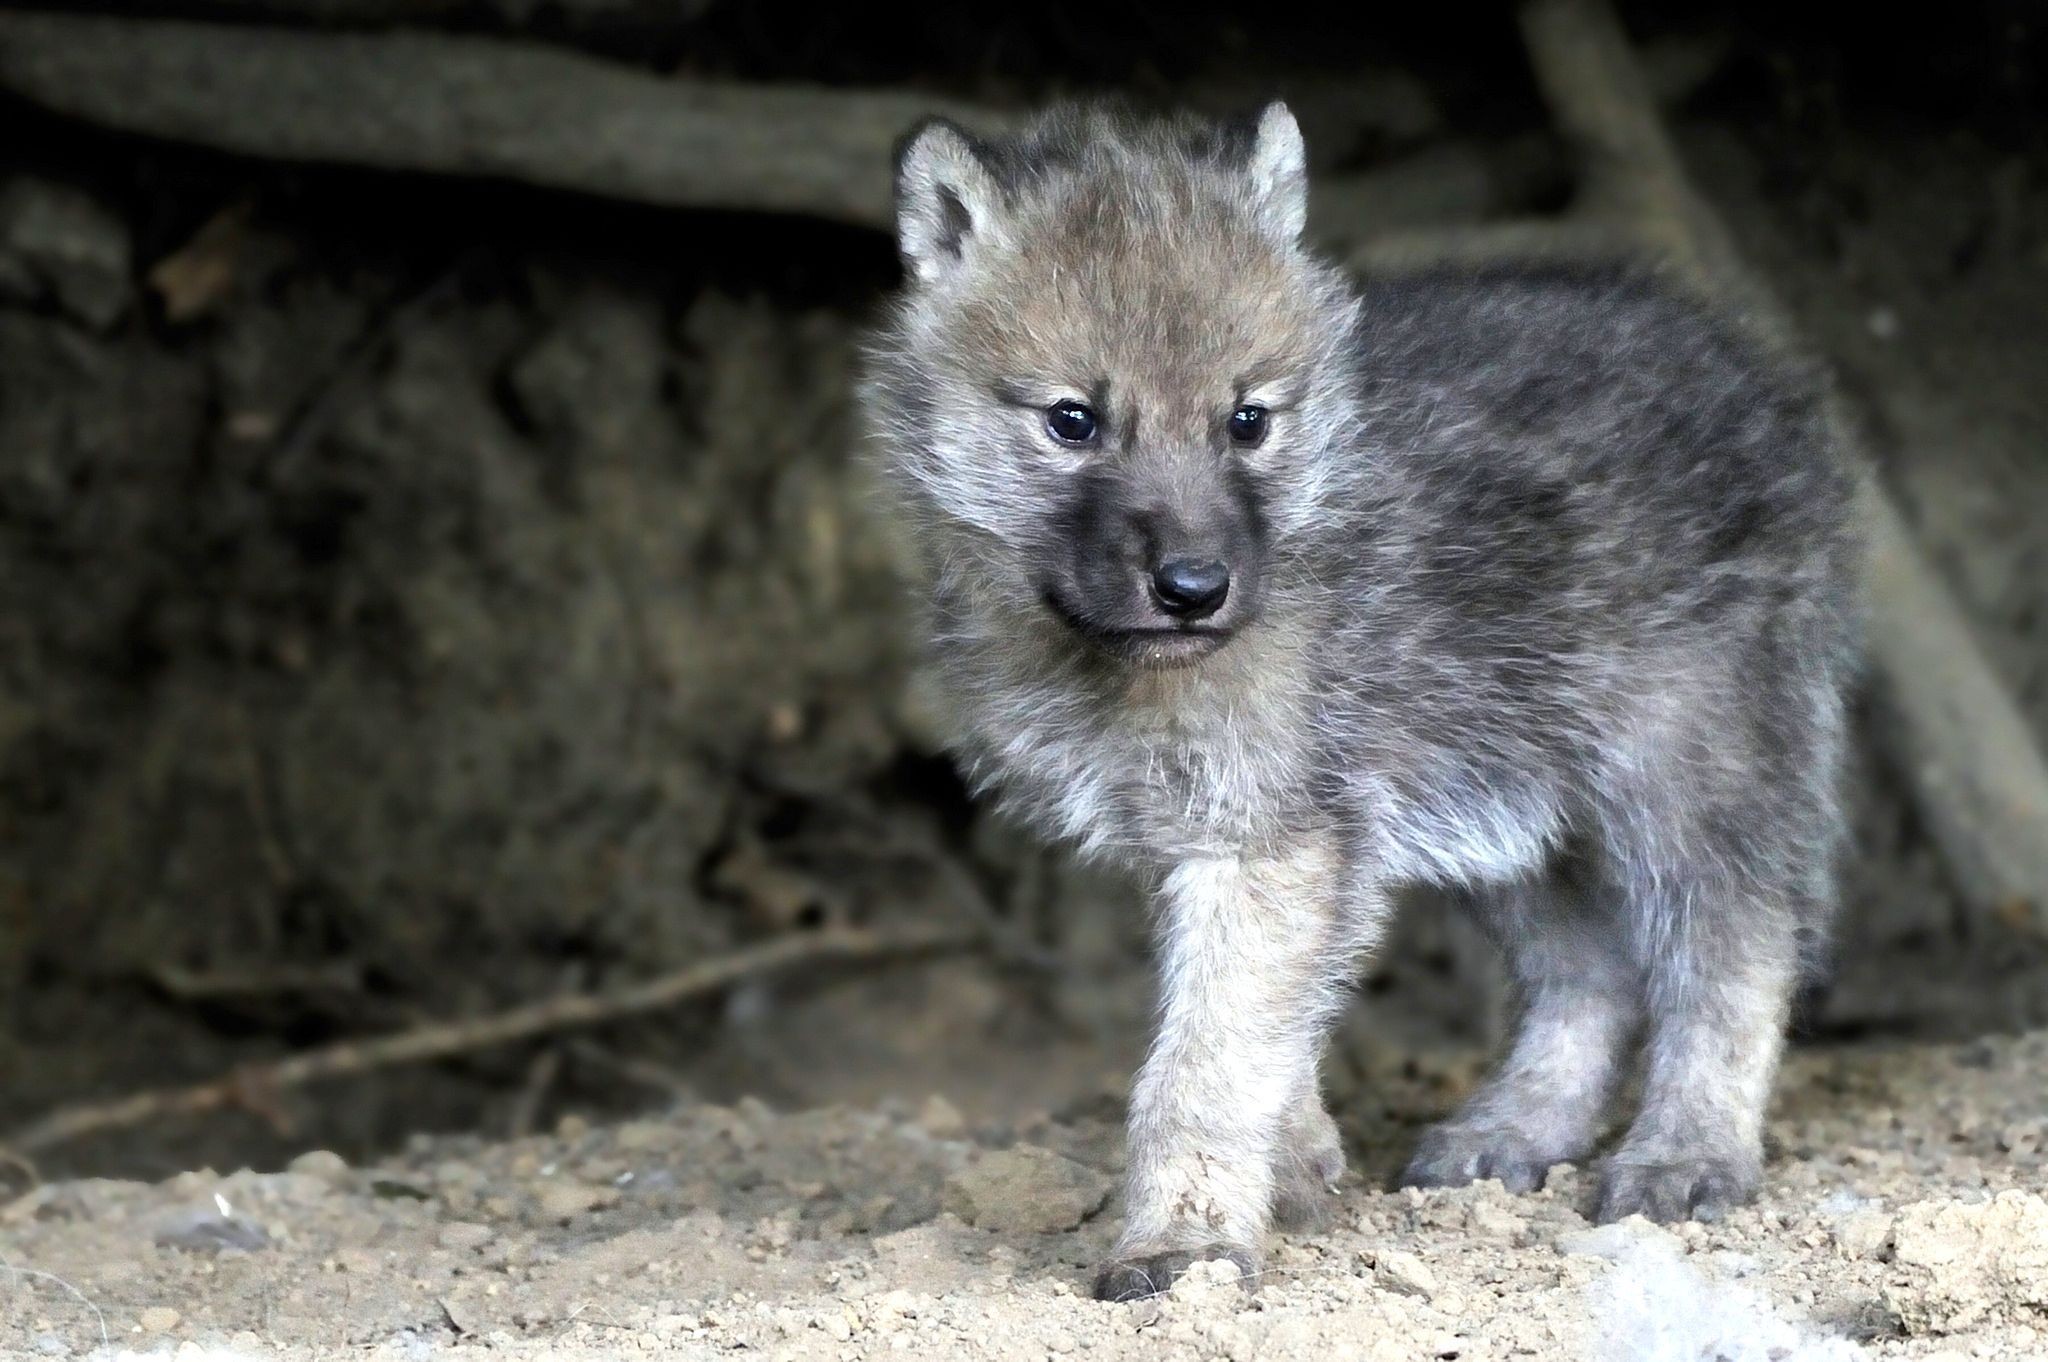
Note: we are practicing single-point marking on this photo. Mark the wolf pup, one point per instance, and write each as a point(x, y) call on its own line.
point(1286, 591)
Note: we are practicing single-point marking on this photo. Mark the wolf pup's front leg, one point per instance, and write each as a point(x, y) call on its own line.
point(1255, 956)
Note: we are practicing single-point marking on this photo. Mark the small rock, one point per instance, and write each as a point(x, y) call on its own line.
point(1143, 1314)
point(461, 1318)
point(940, 1119)
point(1863, 1234)
point(1404, 1274)
point(324, 1164)
point(1961, 1264)
point(644, 1137)
point(51, 1345)
point(1493, 1221)
point(1210, 1282)
point(1060, 1341)
point(159, 1319)
point(1618, 1240)
point(1026, 1190)
point(2022, 1138)
point(562, 1199)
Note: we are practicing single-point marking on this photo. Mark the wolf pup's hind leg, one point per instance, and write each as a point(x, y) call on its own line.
point(1722, 964)
point(1578, 1004)
point(1723, 887)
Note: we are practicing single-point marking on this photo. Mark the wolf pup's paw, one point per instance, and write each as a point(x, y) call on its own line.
point(1682, 1189)
point(1452, 1155)
point(1306, 1172)
point(1140, 1275)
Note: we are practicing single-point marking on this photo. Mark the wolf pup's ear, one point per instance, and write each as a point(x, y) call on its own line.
point(1278, 166)
point(946, 200)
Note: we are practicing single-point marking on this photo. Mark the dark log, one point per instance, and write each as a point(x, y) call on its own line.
point(464, 105)
point(309, 89)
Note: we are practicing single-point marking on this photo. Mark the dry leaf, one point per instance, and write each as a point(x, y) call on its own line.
point(193, 279)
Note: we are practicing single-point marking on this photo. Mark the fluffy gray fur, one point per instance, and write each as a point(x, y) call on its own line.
point(1539, 591)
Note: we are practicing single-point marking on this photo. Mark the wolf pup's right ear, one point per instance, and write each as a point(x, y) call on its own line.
point(946, 200)
point(1278, 166)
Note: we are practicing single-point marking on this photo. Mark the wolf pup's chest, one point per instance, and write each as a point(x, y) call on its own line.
point(1158, 786)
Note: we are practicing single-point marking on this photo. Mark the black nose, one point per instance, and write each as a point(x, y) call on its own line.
point(1190, 588)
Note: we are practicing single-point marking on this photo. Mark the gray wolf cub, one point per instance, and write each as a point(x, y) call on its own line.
point(1287, 590)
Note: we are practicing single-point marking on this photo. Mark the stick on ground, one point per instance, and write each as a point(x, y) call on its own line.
point(254, 1085)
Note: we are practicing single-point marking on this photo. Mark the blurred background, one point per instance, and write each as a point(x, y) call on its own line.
point(435, 575)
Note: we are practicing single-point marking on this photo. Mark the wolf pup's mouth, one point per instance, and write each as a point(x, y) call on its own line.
point(1159, 647)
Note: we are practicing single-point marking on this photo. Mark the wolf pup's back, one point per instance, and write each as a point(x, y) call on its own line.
point(1287, 591)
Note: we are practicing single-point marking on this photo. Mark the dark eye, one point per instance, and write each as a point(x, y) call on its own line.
point(1248, 425)
point(1071, 423)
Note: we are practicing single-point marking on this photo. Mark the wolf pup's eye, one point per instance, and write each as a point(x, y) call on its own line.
point(1071, 423)
point(1248, 425)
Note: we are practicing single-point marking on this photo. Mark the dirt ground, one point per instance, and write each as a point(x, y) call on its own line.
point(1903, 1216)
point(348, 708)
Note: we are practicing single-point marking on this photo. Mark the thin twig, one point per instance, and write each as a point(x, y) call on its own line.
point(262, 982)
point(253, 1084)
point(313, 415)
point(533, 1095)
point(633, 1069)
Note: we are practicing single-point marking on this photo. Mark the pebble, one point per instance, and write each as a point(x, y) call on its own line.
point(1496, 1222)
point(1210, 1284)
point(641, 1137)
point(561, 1199)
point(159, 1319)
point(1618, 1240)
point(1863, 1234)
point(940, 1119)
point(1404, 1274)
point(324, 1164)
point(1027, 1190)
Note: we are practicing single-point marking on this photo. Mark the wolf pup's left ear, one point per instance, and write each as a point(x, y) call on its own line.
point(946, 200)
point(1278, 166)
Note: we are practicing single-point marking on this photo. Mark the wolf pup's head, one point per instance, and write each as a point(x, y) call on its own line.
point(1112, 384)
